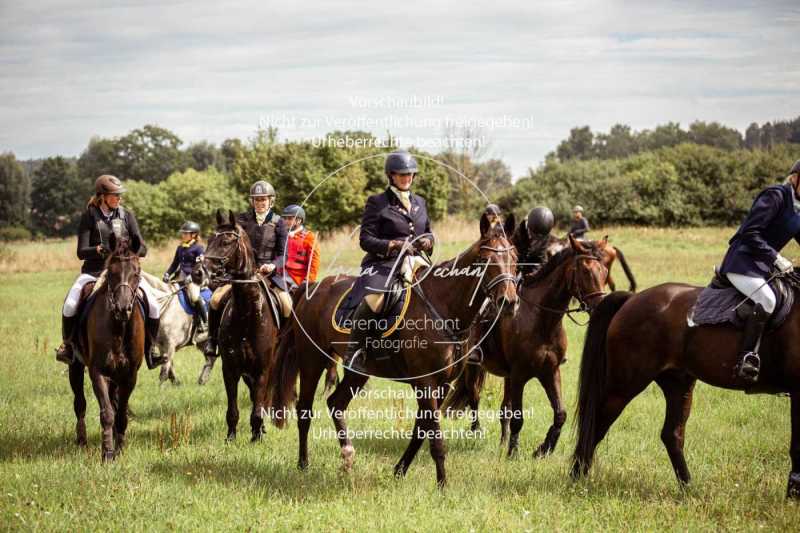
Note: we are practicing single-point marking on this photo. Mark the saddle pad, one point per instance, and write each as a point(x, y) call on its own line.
point(718, 306)
point(346, 306)
point(205, 294)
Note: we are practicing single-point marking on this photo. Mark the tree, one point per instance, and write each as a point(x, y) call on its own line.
point(149, 154)
point(15, 189)
point(715, 134)
point(752, 137)
point(58, 197)
point(100, 157)
point(202, 155)
point(579, 145)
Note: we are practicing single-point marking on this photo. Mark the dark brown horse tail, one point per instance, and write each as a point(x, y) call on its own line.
point(593, 378)
point(466, 391)
point(627, 269)
point(283, 378)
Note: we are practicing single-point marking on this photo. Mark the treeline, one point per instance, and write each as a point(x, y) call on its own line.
point(622, 141)
point(683, 185)
point(169, 183)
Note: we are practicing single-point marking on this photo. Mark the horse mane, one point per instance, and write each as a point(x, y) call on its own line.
point(494, 232)
point(556, 261)
point(155, 282)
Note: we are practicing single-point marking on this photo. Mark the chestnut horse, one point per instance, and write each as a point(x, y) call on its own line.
point(247, 330)
point(446, 291)
point(635, 339)
point(533, 342)
point(111, 347)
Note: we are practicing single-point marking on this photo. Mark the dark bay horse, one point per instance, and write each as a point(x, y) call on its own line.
point(610, 255)
point(247, 331)
point(533, 342)
point(111, 347)
point(635, 339)
point(447, 291)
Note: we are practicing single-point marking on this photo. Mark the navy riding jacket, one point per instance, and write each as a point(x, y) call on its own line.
point(771, 223)
point(185, 258)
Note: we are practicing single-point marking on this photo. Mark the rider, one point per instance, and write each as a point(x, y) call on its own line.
point(532, 247)
point(579, 226)
point(187, 254)
point(267, 233)
point(754, 252)
point(389, 220)
point(302, 253)
point(105, 215)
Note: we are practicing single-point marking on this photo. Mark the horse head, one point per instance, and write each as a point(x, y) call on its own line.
point(123, 274)
point(500, 259)
point(228, 253)
point(587, 274)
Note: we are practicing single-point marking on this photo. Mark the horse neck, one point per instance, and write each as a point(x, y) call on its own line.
point(550, 291)
point(452, 298)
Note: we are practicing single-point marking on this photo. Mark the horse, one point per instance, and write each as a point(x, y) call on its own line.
point(609, 256)
point(176, 329)
point(635, 339)
point(248, 330)
point(533, 342)
point(111, 347)
point(443, 291)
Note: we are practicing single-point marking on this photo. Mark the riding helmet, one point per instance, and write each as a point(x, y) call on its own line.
point(261, 188)
point(190, 227)
point(108, 184)
point(540, 221)
point(400, 162)
point(294, 210)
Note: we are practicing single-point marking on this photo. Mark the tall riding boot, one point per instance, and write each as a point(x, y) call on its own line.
point(151, 326)
point(213, 328)
point(65, 353)
point(363, 324)
point(202, 312)
point(750, 363)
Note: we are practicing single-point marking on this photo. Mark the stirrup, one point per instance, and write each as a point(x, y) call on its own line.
point(749, 367)
point(352, 363)
point(475, 357)
point(154, 361)
point(211, 348)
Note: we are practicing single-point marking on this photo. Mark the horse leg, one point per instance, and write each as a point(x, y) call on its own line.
point(205, 373)
point(121, 419)
point(552, 387)
point(429, 423)
point(258, 395)
point(517, 390)
point(505, 411)
point(793, 487)
point(677, 388)
point(610, 410)
point(78, 402)
point(610, 282)
point(337, 403)
point(401, 468)
point(331, 379)
point(231, 378)
point(100, 387)
point(474, 414)
point(305, 410)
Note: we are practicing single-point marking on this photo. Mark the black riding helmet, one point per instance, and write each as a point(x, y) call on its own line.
point(540, 221)
point(399, 162)
point(190, 227)
point(294, 211)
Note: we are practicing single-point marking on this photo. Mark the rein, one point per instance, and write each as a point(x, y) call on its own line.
point(112, 301)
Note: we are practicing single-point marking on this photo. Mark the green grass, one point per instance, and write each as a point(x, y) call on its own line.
point(177, 473)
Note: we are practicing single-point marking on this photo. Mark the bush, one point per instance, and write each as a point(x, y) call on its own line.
point(14, 233)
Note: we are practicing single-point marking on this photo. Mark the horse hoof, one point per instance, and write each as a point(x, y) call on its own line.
point(399, 471)
point(540, 452)
point(231, 437)
point(204, 375)
point(348, 457)
point(108, 456)
point(302, 465)
point(793, 488)
point(256, 438)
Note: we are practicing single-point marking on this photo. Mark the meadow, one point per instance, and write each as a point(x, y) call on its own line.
point(178, 473)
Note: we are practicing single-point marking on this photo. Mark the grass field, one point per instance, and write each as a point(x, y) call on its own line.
point(177, 472)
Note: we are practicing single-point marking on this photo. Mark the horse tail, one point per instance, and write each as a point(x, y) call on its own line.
point(466, 391)
point(593, 380)
point(627, 269)
point(283, 377)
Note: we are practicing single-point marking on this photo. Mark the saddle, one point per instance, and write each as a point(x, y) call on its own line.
point(395, 305)
point(274, 304)
point(721, 303)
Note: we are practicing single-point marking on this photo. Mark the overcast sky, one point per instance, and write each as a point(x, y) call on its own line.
point(71, 70)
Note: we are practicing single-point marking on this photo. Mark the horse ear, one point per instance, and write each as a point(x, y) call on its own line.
point(231, 218)
point(576, 244)
point(136, 244)
point(220, 218)
point(603, 243)
point(509, 225)
point(112, 241)
point(485, 224)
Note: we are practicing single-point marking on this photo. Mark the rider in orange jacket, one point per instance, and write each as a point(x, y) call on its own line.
point(302, 253)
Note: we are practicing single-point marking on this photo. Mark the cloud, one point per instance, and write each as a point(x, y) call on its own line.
point(214, 70)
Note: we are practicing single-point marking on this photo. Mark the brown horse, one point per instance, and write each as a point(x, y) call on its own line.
point(635, 339)
point(443, 291)
point(533, 343)
point(111, 347)
point(609, 256)
point(247, 331)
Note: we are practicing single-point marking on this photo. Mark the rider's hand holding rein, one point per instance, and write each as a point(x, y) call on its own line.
point(783, 265)
point(266, 269)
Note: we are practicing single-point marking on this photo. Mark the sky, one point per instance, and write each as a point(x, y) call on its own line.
point(520, 75)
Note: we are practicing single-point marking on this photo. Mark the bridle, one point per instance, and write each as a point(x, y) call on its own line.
point(112, 300)
point(223, 260)
point(501, 277)
point(574, 289)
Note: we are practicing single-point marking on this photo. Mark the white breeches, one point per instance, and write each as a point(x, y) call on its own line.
point(73, 296)
point(756, 288)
